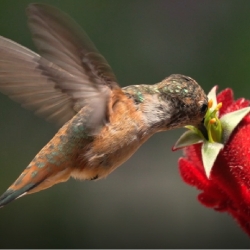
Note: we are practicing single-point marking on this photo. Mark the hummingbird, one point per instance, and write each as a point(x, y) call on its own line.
point(72, 85)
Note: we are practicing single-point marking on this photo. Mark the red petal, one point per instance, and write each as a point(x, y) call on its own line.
point(215, 202)
point(191, 175)
point(240, 103)
point(236, 155)
point(243, 221)
point(245, 195)
point(228, 188)
point(246, 120)
point(227, 98)
point(193, 154)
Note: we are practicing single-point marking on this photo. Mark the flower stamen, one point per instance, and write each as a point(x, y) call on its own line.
point(218, 107)
point(210, 103)
point(212, 121)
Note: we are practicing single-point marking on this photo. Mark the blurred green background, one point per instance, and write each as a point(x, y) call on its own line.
point(144, 203)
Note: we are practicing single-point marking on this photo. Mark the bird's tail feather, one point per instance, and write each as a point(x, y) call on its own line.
point(10, 194)
point(34, 179)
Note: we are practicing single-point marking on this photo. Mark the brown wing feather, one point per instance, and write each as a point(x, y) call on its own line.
point(62, 41)
point(22, 79)
point(69, 75)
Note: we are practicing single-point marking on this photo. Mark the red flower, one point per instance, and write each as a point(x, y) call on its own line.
point(228, 187)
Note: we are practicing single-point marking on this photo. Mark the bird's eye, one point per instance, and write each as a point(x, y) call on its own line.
point(204, 107)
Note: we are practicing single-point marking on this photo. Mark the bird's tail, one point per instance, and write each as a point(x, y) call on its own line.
point(37, 176)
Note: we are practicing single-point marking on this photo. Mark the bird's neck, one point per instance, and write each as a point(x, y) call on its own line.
point(149, 100)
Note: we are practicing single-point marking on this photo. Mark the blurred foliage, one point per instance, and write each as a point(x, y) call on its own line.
point(144, 203)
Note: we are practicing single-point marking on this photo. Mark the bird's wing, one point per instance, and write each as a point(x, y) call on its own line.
point(68, 75)
point(62, 41)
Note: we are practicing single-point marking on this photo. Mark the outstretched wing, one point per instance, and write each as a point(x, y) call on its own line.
point(68, 75)
point(62, 41)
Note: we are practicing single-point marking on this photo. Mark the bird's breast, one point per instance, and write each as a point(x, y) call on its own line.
point(115, 143)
